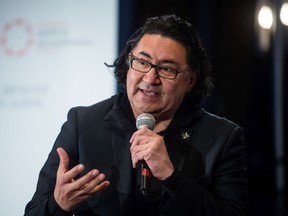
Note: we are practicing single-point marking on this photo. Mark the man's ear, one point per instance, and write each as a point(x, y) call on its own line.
point(193, 79)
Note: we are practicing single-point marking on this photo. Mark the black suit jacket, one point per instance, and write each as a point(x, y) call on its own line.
point(207, 152)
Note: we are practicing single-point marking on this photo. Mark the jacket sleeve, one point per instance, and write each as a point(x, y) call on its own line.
point(222, 191)
point(43, 202)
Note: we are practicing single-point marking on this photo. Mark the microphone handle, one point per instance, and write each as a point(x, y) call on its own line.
point(143, 178)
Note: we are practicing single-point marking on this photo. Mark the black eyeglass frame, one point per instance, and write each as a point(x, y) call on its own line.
point(131, 58)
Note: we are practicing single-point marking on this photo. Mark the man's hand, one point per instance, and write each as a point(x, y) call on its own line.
point(149, 146)
point(69, 192)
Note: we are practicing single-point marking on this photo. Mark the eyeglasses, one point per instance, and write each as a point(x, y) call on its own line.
point(163, 71)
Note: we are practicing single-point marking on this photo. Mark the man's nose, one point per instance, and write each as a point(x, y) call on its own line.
point(152, 76)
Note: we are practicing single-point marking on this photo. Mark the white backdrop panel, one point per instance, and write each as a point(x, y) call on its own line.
point(52, 56)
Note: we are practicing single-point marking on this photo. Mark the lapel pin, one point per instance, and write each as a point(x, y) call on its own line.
point(185, 136)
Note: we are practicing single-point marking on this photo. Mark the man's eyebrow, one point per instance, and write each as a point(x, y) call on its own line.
point(167, 61)
point(145, 54)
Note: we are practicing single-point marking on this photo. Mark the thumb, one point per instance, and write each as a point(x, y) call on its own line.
point(64, 160)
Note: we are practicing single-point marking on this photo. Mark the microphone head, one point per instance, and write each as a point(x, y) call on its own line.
point(145, 120)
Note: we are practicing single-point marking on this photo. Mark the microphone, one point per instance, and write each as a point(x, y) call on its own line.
point(143, 173)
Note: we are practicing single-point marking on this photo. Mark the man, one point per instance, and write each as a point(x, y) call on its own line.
point(196, 158)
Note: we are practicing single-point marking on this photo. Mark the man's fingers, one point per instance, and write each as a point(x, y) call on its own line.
point(91, 183)
point(91, 180)
point(99, 187)
point(86, 180)
point(69, 189)
point(72, 173)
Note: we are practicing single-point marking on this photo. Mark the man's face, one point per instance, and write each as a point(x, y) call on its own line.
point(152, 94)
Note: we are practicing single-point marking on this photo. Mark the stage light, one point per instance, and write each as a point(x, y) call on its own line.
point(284, 14)
point(265, 17)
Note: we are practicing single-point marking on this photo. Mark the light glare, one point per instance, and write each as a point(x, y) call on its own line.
point(265, 17)
point(284, 14)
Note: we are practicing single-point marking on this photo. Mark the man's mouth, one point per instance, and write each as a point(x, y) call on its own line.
point(149, 90)
point(149, 93)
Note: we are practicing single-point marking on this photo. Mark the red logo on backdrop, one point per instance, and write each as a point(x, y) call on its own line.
point(16, 38)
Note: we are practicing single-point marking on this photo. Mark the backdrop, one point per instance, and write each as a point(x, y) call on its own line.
point(52, 56)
